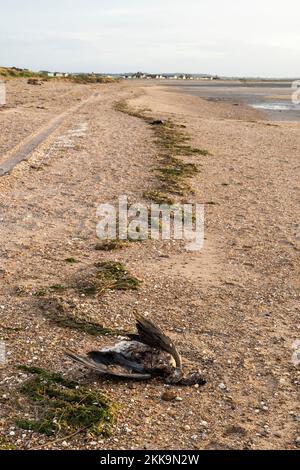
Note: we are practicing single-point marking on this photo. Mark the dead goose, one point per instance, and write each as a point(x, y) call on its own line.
point(148, 353)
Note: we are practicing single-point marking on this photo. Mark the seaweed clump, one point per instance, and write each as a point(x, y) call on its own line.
point(62, 406)
point(172, 143)
point(109, 276)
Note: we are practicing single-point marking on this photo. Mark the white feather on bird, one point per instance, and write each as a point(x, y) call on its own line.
point(147, 354)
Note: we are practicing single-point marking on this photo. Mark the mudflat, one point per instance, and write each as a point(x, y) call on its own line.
point(278, 99)
point(232, 309)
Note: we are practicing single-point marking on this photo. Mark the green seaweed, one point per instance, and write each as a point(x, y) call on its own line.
point(109, 276)
point(71, 260)
point(110, 245)
point(158, 197)
point(172, 141)
point(63, 406)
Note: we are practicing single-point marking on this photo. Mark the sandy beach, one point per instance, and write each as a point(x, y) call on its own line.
point(232, 309)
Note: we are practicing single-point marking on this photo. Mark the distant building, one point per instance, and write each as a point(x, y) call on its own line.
point(149, 76)
point(58, 74)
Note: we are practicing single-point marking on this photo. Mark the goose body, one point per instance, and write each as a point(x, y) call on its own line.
point(146, 354)
point(135, 356)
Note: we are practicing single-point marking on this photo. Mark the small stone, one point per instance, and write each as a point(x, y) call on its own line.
point(222, 386)
point(204, 423)
point(187, 428)
point(179, 399)
point(297, 441)
point(169, 396)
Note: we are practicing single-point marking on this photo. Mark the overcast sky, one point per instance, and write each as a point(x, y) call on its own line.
point(226, 37)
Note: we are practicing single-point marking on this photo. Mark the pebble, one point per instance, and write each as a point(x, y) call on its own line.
point(169, 396)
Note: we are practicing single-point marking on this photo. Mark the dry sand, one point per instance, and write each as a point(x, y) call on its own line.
point(232, 309)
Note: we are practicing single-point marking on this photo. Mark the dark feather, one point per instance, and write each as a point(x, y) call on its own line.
point(112, 358)
point(148, 353)
point(153, 336)
point(102, 369)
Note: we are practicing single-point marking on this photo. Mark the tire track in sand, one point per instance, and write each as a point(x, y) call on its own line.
point(23, 150)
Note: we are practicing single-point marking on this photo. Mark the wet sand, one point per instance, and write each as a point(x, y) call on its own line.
point(273, 98)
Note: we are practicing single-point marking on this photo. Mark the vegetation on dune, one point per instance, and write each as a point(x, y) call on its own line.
point(14, 72)
point(62, 406)
point(90, 78)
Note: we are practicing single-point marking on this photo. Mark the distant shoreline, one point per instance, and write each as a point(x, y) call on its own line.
point(273, 98)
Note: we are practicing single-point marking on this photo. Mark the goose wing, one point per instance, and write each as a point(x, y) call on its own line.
point(103, 367)
point(153, 336)
point(125, 354)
